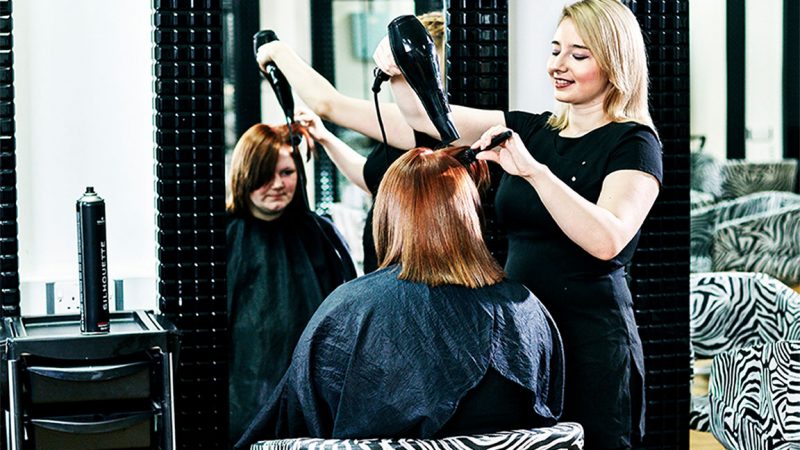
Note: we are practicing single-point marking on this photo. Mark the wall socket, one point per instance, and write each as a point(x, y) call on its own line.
point(67, 297)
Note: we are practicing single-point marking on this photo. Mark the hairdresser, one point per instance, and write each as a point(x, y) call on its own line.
point(356, 114)
point(579, 183)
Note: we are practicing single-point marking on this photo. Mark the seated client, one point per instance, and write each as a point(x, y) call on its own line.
point(436, 342)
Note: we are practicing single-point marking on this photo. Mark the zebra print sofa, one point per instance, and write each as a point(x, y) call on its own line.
point(565, 435)
point(754, 397)
point(732, 312)
point(705, 220)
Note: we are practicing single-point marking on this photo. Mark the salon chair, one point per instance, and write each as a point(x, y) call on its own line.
point(736, 320)
point(565, 435)
point(745, 177)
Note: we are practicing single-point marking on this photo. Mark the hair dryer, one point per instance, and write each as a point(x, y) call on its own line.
point(415, 54)
point(283, 91)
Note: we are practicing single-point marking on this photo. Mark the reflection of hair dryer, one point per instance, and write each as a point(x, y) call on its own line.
point(283, 91)
point(415, 54)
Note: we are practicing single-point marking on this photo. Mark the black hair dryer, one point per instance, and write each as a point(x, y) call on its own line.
point(415, 54)
point(283, 91)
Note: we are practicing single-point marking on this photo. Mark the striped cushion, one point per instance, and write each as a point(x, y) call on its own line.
point(754, 397)
point(565, 435)
point(744, 177)
point(767, 242)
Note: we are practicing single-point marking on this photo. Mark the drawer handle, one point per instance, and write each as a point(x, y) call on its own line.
point(88, 425)
point(89, 373)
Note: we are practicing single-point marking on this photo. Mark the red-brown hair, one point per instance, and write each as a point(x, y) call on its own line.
point(426, 219)
point(254, 159)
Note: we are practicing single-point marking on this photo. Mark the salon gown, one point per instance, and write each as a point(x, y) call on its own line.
point(278, 274)
point(589, 298)
point(388, 358)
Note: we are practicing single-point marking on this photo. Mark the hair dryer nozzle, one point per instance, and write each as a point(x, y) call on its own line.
point(415, 54)
point(263, 37)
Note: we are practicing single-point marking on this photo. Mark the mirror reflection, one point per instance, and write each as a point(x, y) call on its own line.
point(745, 250)
point(84, 117)
point(279, 249)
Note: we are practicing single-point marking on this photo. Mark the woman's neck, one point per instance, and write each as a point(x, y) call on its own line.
point(585, 118)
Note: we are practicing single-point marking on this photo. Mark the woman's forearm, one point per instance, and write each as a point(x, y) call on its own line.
point(602, 229)
point(349, 161)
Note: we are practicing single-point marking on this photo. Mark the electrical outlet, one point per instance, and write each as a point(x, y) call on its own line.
point(67, 297)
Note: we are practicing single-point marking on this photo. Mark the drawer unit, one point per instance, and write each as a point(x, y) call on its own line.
point(65, 390)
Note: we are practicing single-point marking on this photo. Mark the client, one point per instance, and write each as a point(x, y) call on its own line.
point(283, 260)
point(436, 342)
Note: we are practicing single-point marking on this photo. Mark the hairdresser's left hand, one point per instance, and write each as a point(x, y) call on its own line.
point(384, 58)
point(512, 155)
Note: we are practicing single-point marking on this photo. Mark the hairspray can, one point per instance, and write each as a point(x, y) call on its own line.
point(92, 262)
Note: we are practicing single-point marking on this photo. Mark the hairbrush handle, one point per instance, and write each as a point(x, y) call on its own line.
point(468, 156)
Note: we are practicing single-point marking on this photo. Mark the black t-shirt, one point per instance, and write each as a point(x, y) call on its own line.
point(540, 255)
point(375, 167)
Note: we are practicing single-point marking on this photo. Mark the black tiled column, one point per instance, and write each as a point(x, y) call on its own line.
point(190, 205)
point(9, 245)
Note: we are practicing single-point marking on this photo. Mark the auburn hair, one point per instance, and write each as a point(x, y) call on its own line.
point(427, 220)
point(611, 32)
point(254, 159)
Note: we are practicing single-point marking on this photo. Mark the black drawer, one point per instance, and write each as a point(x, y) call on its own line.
point(126, 381)
point(89, 432)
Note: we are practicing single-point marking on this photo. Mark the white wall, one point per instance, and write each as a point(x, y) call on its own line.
point(84, 117)
point(531, 25)
point(708, 75)
point(764, 80)
point(763, 77)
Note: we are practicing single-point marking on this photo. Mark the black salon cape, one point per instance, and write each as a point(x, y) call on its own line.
point(278, 274)
point(386, 358)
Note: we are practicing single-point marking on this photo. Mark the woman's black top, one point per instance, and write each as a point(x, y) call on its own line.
point(383, 357)
point(589, 298)
point(278, 274)
point(375, 167)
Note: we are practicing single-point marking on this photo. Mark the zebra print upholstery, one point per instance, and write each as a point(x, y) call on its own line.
point(745, 177)
point(706, 174)
point(767, 242)
point(699, 199)
point(754, 397)
point(565, 435)
point(731, 311)
point(705, 220)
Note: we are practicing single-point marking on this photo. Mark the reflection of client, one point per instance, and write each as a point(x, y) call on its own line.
point(283, 260)
point(356, 114)
point(434, 343)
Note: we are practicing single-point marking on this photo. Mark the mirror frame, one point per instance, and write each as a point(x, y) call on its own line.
point(9, 244)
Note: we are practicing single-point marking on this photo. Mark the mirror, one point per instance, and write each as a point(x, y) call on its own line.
point(84, 117)
point(356, 27)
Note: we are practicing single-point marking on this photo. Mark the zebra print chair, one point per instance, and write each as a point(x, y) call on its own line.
point(705, 220)
point(768, 242)
point(754, 397)
point(745, 177)
point(565, 435)
point(734, 311)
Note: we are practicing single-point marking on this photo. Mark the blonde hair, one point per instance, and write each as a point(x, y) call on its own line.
point(612, 33)
point(435, 24)
point(426, 219)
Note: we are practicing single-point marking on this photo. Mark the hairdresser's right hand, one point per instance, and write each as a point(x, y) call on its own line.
point(512, 154)
point(313, 124)
point(265, 53)
point(384, 58)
